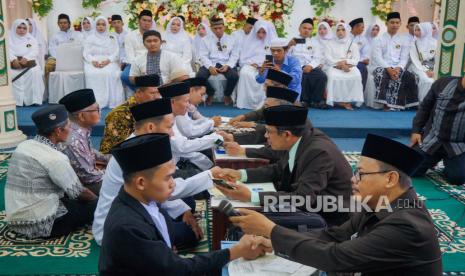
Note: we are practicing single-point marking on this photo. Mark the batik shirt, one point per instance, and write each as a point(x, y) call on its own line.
point(119, 124)
point(83, 156)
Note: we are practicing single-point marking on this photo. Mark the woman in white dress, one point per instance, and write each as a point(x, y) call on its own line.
point(324, 34)
point(344, 79)
point(372, 32)
point(43, 46)
point(250, 93)
point(101, 66)
point(422, 55)
point(87, 27)
point(178, 42)
point(201, 31)
point(23, 53)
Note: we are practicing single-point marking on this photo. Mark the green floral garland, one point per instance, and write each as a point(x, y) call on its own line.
point(322, 7)
point(91, 3)
point(381, 8)
point(42, 7)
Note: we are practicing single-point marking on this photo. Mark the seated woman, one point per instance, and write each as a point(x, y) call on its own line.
point(250, 93)
point(43, 195)
point(87, 27)
point(179, 43)
point(344, 80)
point(23, 55)
point(43, 47)
point(101, 66)
point(422, 56)
point(202, 31)
point(324, 34)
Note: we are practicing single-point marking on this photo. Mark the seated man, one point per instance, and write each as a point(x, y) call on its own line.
point(273, 78)
point(137, 237)
point(134, 45)
point(155, 61)
point(396, 88)
point(189, 150)
point(119, 123)
point(156, 117)
point(219, 54)
point(64, 35)
point(274, 96)
point(439, 135)
point(193, 124)
point(38, 178)
point(399, 238)
point(313, 165)
point(282, 62)
point(87, 162)
point(356, 35)
point(310, 56)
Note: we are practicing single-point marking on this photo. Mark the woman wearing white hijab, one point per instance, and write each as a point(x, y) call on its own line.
point(23, 52)
point(422, 55)
point(250, 93)
point(43, 47)
point(178, 42)
point(101, 65)
point(372, 32)
point(435, 30)
point(202, 30)
point(87, 27)
point(324, 34)
point(344, 79)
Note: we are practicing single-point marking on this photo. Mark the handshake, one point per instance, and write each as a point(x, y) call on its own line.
point(250, 247)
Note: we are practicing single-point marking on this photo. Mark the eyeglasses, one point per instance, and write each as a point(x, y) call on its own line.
point(220, 48)
point(93, 110)
point(358, 175)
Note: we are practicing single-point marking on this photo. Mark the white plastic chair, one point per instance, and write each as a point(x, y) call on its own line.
point(69, 72)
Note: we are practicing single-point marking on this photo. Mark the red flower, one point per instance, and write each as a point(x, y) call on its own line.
point(196, 21)
point(275, 15)
point(160, 8)
point(255, 8)
point(241, 17)
point(221, 7)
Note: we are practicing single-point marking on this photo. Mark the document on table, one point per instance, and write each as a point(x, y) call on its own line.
point(217, 196)
point(225, 119)
point(224, 156)
point(269, 265)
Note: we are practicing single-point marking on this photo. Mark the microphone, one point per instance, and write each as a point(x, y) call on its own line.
point(227, 208)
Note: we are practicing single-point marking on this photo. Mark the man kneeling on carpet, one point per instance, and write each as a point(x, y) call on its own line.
point(137, 235)
point(43, 194)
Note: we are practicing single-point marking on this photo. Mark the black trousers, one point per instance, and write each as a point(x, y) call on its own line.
point(453, 166)
point(80, 213)
point(362, 67)
point(313, 86)
point(232, 77)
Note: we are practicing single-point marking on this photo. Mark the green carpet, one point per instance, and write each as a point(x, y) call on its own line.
point(77, 253)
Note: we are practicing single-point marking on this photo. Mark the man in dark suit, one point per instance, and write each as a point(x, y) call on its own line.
point(395, 235)
point(313, 165)
point(137, 237)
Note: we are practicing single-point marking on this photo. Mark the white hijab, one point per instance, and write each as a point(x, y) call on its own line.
point(92, 27)
point(368, 32)
point(435, 36)
point(329, 36)
point(346, 38)
point(20, 45)
point(254, 49)
point(176, 38)
point(35, 31)
point(426, 41)
point(101, 39)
